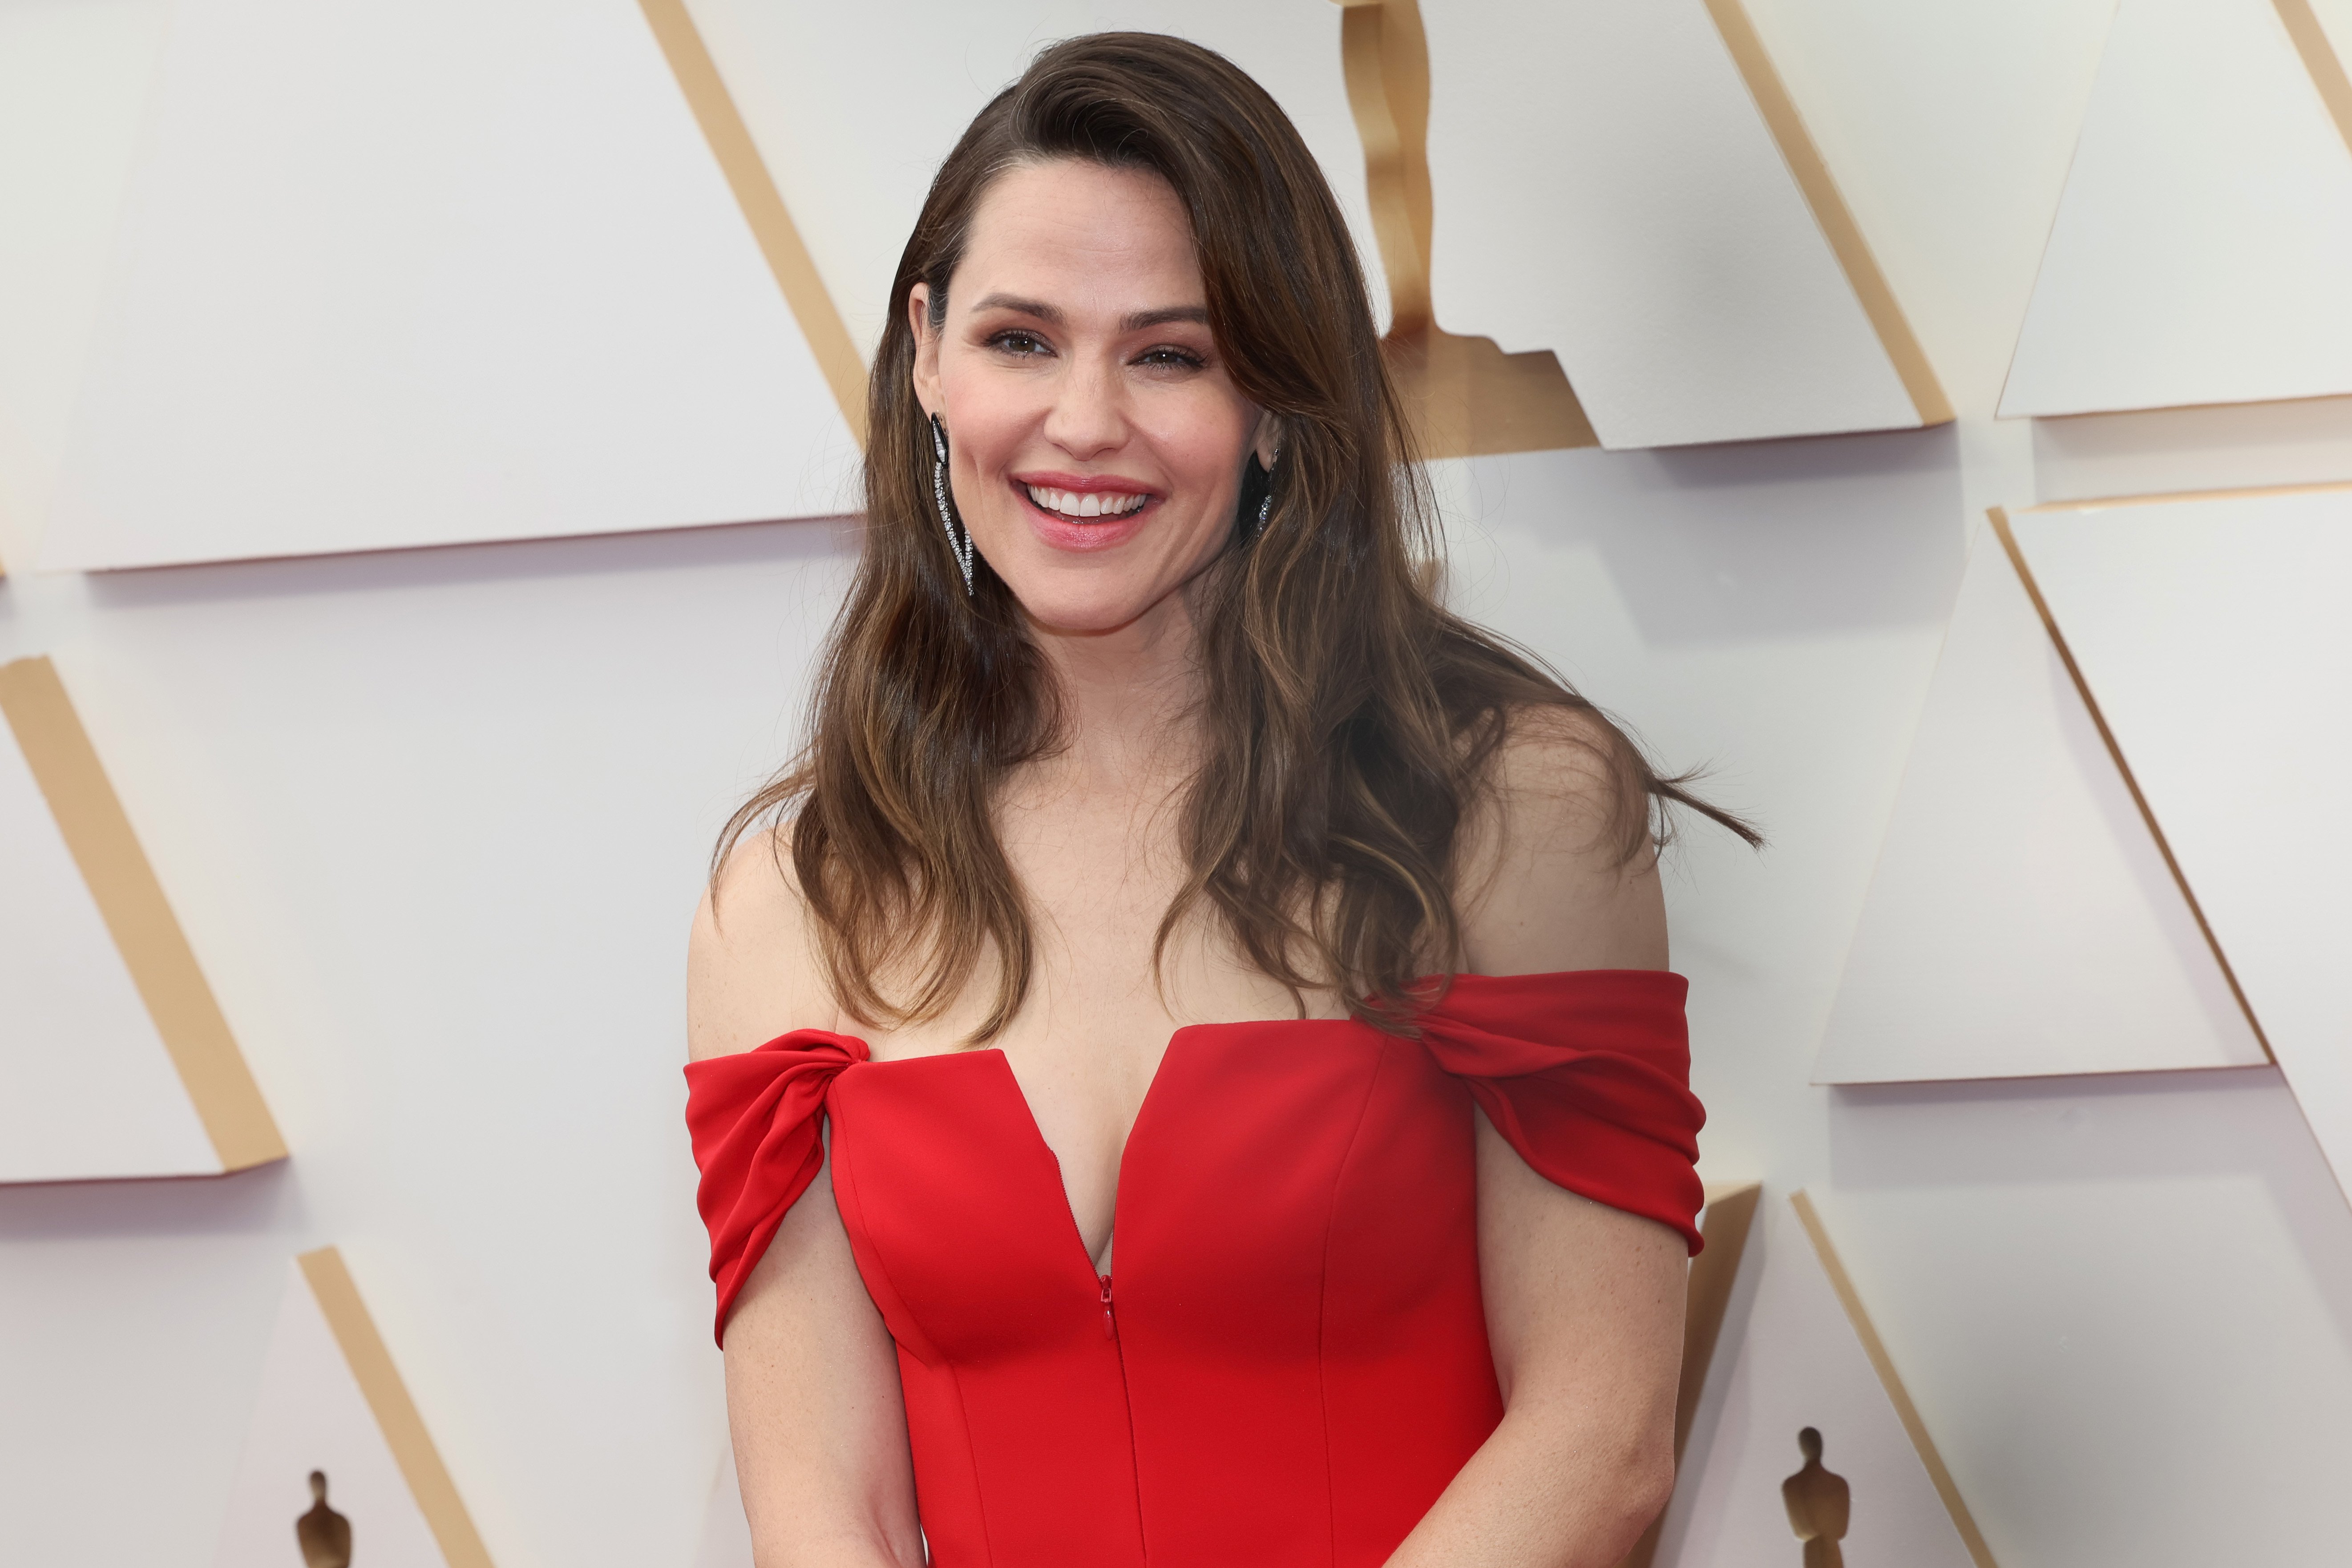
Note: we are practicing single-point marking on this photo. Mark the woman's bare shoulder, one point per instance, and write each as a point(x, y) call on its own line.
point(752, 967)
point(1558, 867)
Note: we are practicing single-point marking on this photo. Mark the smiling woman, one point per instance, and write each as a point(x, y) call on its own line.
point(1310, 937)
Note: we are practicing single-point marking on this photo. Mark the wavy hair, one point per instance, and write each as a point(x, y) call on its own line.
point(1350, 722)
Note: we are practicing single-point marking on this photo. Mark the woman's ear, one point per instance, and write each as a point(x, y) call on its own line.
point(927, 348)
point(1268, 444)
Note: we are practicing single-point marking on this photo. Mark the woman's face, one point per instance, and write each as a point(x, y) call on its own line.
point(1095, 442)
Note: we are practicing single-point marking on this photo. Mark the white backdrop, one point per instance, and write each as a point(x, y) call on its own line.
point(435, 823)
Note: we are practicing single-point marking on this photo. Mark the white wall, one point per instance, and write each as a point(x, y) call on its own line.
point(435, 823)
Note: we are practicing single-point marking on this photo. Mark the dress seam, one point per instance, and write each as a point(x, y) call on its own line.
point(955, 1375)
point(1323, 1298)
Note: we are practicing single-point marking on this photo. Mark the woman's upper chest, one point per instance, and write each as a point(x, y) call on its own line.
point(1106, 995)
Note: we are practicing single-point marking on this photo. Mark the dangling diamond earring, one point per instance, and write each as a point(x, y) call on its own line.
point(1266, 503)
point(959, 536)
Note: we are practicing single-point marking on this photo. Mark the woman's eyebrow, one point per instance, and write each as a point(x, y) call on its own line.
point(1135, 322)
point(1019, 306)
point(1141, 319)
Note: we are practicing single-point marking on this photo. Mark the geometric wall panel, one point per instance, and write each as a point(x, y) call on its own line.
point(115, 1060)
point(1811, 1359)
point(854, 179)
point(2023, 919)
point(2201, 244)
point(331, 1402)
point(2211, 630)
point(74, 81)
point(429, 273)
point(1463, 394)
point(1631, 188)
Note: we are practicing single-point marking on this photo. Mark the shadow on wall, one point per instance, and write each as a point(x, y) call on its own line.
point(522, 560)
point(2104, 1132)
point(1751, 540)
point(259, 1202)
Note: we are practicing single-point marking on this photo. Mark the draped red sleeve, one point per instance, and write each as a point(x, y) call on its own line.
point(754, 1120)
point(1587, 1074)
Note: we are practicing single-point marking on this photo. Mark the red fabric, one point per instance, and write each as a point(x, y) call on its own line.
point(1294, 1361)
point(753, 1120)
point(1589, 1081)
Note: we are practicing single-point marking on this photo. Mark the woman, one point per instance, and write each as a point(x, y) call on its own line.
point(1168, 875)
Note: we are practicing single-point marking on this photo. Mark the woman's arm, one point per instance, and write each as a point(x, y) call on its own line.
point(812, 1395)
point(1584, 1303)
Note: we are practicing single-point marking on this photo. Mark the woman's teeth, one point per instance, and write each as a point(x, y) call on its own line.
point(1093, 503)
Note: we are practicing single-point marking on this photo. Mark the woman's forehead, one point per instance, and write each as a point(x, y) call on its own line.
point(1081, 236)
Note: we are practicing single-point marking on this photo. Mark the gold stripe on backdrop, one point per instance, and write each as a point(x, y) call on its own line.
point(1999, 517)
point(164, 967)
point(395, 1413)
point(1706, 1300)
point(1830, 211)
point(1908, 1413)
point(762, 205)
point(2320, 59)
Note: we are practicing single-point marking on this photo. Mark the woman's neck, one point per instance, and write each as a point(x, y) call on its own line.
point(1130, 703)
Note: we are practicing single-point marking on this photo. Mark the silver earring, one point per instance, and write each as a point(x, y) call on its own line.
point(959, 536)
point(1266, 503)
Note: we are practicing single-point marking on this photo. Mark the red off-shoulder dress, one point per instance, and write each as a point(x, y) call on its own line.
point(1291, 1363)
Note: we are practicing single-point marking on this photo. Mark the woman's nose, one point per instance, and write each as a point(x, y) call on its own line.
point(1089, 417)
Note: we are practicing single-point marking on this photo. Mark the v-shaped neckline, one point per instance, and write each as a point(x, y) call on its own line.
point(1126, 1146)
point(1037, 1133)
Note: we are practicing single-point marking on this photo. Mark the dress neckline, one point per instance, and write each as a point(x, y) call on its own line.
point(1037, 1133)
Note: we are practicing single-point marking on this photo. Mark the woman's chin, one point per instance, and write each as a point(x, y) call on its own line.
point(1083, 604)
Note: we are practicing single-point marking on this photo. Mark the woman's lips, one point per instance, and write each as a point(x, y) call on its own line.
point(1081, 533)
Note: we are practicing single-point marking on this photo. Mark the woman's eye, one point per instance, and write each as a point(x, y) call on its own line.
point(1019, 343)
point(1170, 359)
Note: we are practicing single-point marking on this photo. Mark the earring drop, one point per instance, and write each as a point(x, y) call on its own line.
point(958, 537)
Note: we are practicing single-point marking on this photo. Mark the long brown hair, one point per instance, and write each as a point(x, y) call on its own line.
point(1349, 721)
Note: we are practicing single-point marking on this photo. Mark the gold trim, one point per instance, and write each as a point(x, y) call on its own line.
point(762, 205)
point(396, 1417)
point(1731, 1213)
point(2235, 492)
point(1999, 518)
point(1970, 1536)
point(2311, 41)
point(164, 967)
point(1464, 396)
point(1830, 211)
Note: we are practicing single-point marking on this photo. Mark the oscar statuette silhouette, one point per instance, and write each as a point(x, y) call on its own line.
point(325, 1535)
point(1819, 1503)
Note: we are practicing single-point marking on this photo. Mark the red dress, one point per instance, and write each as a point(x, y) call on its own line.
point(1294, 1361)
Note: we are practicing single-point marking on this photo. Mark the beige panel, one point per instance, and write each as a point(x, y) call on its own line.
point(763, 207)
point(1466, 397)
point(1809, 1358)
point(396, 1414)
point(2024, 917)
point(2212, 629)
point(140, 919)
point(1632, 189)
point(2198, 253)
point(310, 1415)
point(1828, 210)
point(435, 273)
point(1884, 1364)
